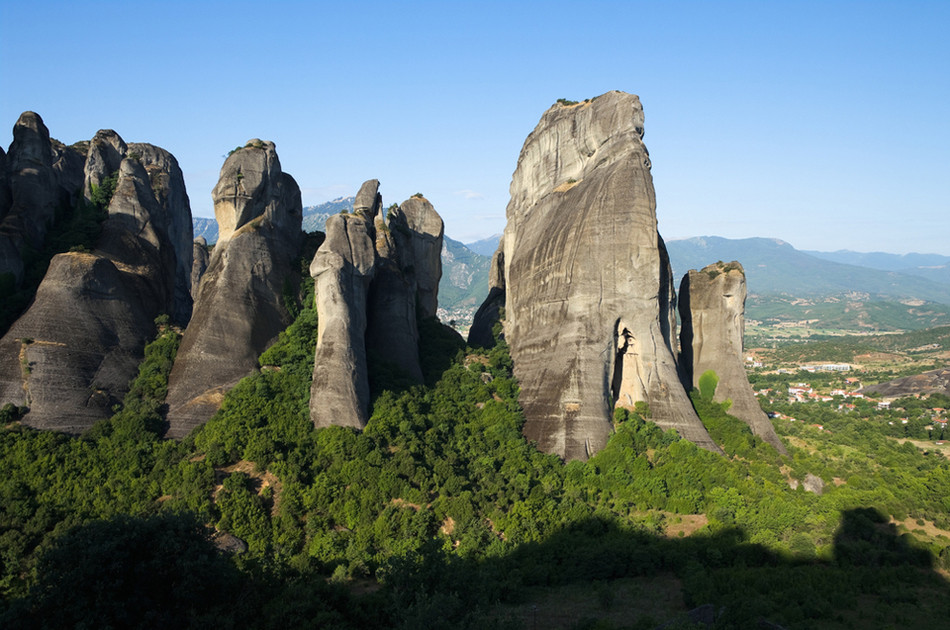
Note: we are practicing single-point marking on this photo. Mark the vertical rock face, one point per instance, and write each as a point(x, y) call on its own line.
point(374, 279)
point(106, 151)
point(342, 269)
point(418, 231)
point(199, 265)
point(32, 193)
point(239, 308)
point(588, 311)
point(70, 357)
point(480, 334)
point(712, 311)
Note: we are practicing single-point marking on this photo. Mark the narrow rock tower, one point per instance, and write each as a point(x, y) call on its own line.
point(712, 311)
point(239, 309)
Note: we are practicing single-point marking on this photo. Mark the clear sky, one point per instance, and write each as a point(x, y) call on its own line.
point(825, 124)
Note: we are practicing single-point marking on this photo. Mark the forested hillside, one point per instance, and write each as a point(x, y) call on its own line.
point(441, 515)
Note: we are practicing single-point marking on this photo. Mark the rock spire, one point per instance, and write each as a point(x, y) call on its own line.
point(239, 309)
point(712, 311)
point(588, 294)
point(375, 278)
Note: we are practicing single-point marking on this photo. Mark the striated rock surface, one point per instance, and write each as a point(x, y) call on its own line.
point(200, 260)
point(588, 313)
point(712, 311)
point(239, 308)
point(343, 268)
point(70, 357)
point(375, 279)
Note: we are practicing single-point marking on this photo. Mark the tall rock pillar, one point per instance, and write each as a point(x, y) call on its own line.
point(239, 308)
point(712, 310)
point(587, 308)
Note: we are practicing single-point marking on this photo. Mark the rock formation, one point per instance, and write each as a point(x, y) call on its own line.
point(200, 260)
point(33, 195)
point(932, 382)
point(343, 268)
point(587, 293)
point(375, 278)
point(712, 312)
point(490, 312)
point(71, 356)
point(239, 309)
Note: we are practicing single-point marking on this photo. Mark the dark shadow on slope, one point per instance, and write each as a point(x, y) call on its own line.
point(876, 579)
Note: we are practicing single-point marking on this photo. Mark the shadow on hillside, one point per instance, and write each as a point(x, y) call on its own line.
point(154, 571)
point(875, 579)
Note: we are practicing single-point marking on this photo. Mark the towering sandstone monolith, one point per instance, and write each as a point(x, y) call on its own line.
point(712, 311)
point(375, 277)
point(239, 310)
point(71, 356)
point(587, 289)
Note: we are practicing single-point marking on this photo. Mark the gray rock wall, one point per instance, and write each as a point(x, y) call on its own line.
point(588, 314)
point(239, 308)
point(71, 356)
point(712, 311)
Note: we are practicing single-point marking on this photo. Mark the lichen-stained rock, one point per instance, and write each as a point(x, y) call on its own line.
point(200, 260)
point(70, 357)
point(489, 313)
point(239, 310)
point(586, 311)
point(418, 231)
point(343, 269)
point(712, 311)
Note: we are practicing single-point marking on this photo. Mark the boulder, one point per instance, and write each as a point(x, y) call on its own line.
point(71, 356)
point(587, 309)
point(239, 309)
point(712, 311)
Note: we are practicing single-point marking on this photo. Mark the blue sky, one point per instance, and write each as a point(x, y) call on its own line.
point(825, 124)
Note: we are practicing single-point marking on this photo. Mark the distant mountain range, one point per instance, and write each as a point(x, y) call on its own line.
point(841, 289)
point(773, 266)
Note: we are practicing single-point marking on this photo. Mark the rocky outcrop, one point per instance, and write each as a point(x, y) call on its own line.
point(374, 279)
point(106, 151)
point(490, 312)
point(932, 382)
point(418, 230)
point(239, 309)
point(33, 196)
point(200, 260)
point(70, 357)
point(588, 311)
point(712, 312)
